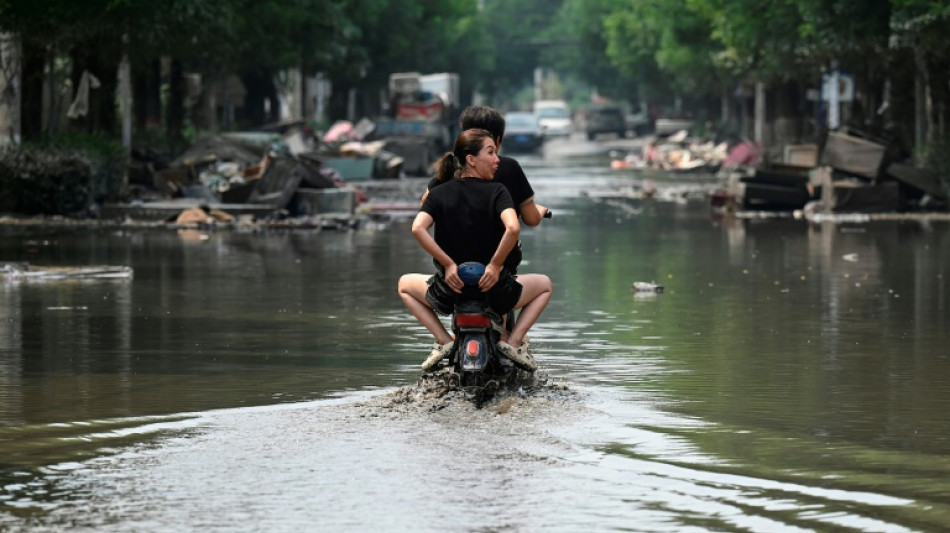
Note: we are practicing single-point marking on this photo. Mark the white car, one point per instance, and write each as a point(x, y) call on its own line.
point(555, 117)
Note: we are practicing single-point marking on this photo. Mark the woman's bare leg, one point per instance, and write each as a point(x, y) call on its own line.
point(535, 295)
point(412, 290)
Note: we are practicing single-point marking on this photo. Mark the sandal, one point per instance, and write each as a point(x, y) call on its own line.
point(439, 351)
point(519, 356)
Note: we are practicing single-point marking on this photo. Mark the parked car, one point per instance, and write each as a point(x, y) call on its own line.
point(668, 126)
point(605, 118)
point(523, 132)
point(638, 122)
point(555, 117)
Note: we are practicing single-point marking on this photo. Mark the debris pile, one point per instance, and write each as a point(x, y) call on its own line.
point(676, 153)
point(279, 172)
point(850, 172)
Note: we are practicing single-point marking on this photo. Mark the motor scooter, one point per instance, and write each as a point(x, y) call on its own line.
point(477, 327)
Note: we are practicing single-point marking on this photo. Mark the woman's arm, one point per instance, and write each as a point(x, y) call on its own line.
point(420, 230)
point(512, 231)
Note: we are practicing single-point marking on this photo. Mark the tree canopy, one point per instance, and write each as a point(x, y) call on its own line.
point(632, 50)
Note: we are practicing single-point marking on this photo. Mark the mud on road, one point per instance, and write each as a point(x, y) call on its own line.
point(441, 390)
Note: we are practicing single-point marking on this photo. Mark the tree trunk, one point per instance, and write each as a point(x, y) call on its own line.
point(10, 93)
point(205, 110)
point(175, 119)
point(273, 110)
point(920, 97)
point(339, 100)
point(124, 75)
point(759, 112)
point(307, 107)
point(724, 111)
point(101, 116)
point(146, 98)
point(107, 116)
point(259, 87)
point(31, 91)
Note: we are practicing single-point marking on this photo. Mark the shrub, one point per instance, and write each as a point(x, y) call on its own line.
point(46, 182)
point(936, 160)
point(107, 157)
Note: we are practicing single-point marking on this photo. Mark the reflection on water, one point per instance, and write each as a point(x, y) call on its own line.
point(791, 377)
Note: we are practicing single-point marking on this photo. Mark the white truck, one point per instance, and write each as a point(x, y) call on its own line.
point(421, 116)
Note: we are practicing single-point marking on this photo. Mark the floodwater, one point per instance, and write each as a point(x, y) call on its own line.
point(790, 377)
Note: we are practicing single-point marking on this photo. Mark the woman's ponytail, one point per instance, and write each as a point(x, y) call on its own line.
point(446, 167)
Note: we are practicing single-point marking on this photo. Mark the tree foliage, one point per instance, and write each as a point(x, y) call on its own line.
point(663, 45)
point(633, 50)
point(582, 23)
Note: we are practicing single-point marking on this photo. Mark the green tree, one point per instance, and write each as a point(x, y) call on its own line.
point(518, 32)
point(425, 36)
point(583, 24)
point(918, 34)
point(758, 36)
point(666, 46)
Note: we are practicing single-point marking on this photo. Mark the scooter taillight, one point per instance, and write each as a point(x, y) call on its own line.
point(472, 320)
point(472, 348)
point(473, 351)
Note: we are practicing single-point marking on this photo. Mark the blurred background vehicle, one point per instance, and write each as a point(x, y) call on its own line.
point(554, 117)
point(638, 122)
point(666, 126)
point(605, 118)
point(523, 132)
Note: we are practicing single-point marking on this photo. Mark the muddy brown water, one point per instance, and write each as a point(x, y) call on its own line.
point(790, 377)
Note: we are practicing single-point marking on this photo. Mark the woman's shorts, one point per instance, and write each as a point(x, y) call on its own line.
point(502, 297)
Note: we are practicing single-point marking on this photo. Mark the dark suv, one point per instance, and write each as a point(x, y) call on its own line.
point(605, 118)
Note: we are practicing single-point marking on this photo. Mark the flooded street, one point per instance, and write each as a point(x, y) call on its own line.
point(790, 377)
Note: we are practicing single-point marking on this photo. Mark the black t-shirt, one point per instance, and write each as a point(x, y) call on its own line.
point(467, 215)
point(509, 174)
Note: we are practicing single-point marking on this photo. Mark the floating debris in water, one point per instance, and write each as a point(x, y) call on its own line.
point(646, 286)
point(26, 271)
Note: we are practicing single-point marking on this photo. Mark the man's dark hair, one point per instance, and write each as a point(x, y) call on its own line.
point(485, 118)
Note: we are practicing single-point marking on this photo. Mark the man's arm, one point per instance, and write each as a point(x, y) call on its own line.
point(532, 213)
point(493, 269)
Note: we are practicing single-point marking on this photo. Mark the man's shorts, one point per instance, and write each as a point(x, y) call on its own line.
point(502, 297)
point(514, 259)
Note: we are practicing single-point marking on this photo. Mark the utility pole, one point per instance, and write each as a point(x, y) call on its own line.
point(124, 88)
point(834, 107)
point(538, 84)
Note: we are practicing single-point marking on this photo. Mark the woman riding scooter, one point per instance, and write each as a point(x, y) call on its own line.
point(475, 221)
